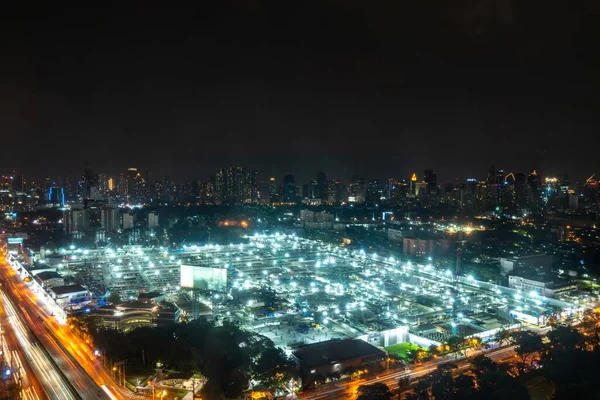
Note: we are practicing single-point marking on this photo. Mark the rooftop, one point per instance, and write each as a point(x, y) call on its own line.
point(44, 276)
point(58, 290)
point(334, 351)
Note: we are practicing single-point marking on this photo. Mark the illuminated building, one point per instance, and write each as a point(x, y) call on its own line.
point(56, 195)
point(273, 191)
point(413, 185)
point(235, 185)
point(72, 296)
point(136, 314)
point(356, 190)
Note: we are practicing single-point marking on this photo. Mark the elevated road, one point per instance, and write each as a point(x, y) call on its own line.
point(79, 369)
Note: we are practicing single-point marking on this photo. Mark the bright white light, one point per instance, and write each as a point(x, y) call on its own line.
point(533, 293)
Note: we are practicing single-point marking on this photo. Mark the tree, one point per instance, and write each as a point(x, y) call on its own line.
point(502, 337)
point(376, 391)
point(416, 355)
point(273, 369)
point(404, 383)
point(482, 364)
point(435, 351)
point(455, 343)
point(442, 384)
point(528, 343)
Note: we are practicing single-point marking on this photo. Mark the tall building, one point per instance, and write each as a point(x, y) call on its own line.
point(75, 220)
point(273, 191)
point(335, 192)
point(413, 185)
point(322, 186)
point(356, 190)
point(376, 192)
point(128, 220)
point(152, 220)
point(110, 218)
point(289, 189)
point(56, 195)
point(235, 185)
point(431, 181)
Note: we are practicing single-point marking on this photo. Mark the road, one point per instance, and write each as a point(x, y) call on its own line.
point(40, 378)
point(347, 390)
point(82, 370)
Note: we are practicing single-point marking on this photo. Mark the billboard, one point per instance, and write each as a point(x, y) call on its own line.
point(205, 278)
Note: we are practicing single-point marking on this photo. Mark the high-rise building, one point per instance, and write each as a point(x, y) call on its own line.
point(375, 192)
point(322, 186)
point(103, 185)
point(335, 191)
point(76, 220)
point(273, 191)
point(56, 195)
point(356, 190)
point(413, 185)
point(128, 220)
point(152, 220)
point(110, 218)
point(431, 181)
point(289, 189)
point(313, 190)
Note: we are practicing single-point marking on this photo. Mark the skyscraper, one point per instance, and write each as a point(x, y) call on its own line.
point(322, 186)
point(289, 189)
point(431, 181)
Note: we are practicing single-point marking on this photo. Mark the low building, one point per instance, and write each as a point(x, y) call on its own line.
point(152, 297)
point(48, 279)
point(527, 263)
point(319, 220)
point(69, 296)
point(135, 314)
point(335, 356)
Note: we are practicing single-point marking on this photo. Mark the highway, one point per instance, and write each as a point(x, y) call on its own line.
point(347, 390)
point(81, 371)
point(40, 379)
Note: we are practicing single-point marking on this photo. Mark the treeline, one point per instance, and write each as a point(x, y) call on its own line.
point(228, 356)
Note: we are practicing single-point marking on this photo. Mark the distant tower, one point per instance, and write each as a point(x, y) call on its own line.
point(413, 184)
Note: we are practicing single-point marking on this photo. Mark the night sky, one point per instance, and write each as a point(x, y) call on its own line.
point(375, 88)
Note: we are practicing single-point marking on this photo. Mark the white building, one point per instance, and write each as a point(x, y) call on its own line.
point(69, 295)
point(110, 218)
point(128, 220)
point(152, 220)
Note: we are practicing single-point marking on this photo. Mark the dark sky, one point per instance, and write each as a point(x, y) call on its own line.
point(376, 88)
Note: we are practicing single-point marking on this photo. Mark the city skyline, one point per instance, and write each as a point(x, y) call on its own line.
point(301, 176)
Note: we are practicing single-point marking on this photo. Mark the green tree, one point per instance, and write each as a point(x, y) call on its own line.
point(455, 343)
point(502, 337)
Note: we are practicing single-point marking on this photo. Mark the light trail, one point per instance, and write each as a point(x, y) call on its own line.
point(52, 381)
